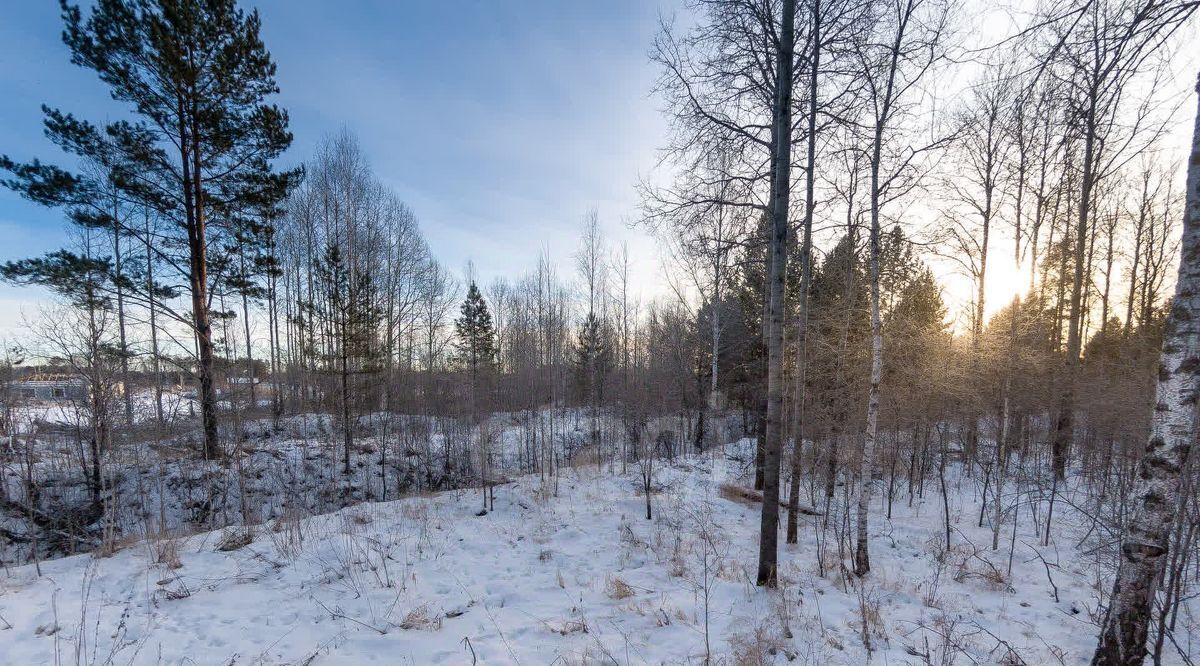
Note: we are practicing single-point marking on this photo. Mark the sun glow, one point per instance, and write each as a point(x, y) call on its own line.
point(1005, 279)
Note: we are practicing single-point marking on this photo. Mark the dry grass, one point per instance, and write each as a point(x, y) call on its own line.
point(236, 538)
point(421, 618)
point(968, 561)
point(870, 617)
point(584, 458)
point(757, 647)
point(569, 627)
point(679, 567)
point(616, 588)
point(630, 538)
point(166, 553)
point(287, 534)
point(417, 510)
point(543, 493)
point(114, 543)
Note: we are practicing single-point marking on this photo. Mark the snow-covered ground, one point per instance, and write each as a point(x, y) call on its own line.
point(155, 483)
point(581, 577)
point(177, 403)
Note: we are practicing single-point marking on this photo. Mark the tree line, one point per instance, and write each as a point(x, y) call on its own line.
point(1056, 141)
point(819, 187)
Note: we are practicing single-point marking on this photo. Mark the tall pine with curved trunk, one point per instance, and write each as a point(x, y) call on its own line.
point(199, 146)
point(1156, 491)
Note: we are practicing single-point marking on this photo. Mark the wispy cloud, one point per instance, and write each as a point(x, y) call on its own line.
point(500, 124)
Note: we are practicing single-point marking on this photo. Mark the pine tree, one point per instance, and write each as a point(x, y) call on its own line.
point(475, 351)
point(198, 150)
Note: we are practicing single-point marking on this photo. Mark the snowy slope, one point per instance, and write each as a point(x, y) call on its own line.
point(577, 578)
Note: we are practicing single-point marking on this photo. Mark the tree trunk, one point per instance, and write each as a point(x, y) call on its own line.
point(126, 390)
point(805, 273)
point(249, 349)
point(1064, 427)
point(198, 281)
point(769, 534)
point(273, 338)
point(154, 356)
point(1137, 255)
point(347, 426)
point(862, 559)
point(1173, 430)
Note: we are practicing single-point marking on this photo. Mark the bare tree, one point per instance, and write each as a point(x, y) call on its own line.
point(776, 276)
point(909, 43)
point(1173, 433)
point(1098, 50)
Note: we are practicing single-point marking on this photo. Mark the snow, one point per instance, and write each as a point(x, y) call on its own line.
point(581, 577)
point(177, 403)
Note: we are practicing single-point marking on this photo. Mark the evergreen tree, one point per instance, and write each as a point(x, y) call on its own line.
point(349, 314)
point(749, 290)
point(593, 357)
point(198, 150)
point(476, 345)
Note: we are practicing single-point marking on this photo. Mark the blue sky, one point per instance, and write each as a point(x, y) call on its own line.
point(500, 123)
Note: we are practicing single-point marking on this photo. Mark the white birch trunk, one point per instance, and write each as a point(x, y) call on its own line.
point(862, 559)
point(1172, 432)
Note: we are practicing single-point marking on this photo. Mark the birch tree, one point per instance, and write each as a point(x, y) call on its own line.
point(1173, 433)
point(907, 45)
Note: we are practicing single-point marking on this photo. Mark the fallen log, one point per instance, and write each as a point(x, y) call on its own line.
point(736, 493)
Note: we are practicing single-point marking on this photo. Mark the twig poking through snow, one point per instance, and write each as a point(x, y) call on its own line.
point(1047, 565)
point(467, 640)
point(343, 616)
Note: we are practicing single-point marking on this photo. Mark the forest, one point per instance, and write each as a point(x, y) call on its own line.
point(917, 382)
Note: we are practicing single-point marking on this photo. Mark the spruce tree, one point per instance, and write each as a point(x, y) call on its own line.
point(593, 357)
point(348, 313)
point(197, 150)
point(475, 349)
